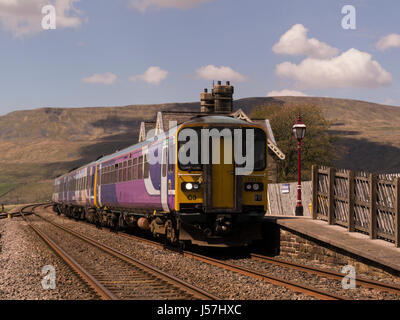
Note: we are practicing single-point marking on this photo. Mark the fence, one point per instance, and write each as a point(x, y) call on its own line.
point(362, 202)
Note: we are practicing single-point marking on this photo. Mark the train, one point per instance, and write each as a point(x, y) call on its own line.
point(184, 185)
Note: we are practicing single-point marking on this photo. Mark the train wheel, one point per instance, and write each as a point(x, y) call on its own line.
point(171, 232)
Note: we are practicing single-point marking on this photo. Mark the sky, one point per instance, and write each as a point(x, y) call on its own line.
point(122, 52)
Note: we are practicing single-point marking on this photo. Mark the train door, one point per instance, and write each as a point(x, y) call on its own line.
point(164, 177)
point(223, 178)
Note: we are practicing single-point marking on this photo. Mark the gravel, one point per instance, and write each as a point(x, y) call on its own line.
point(125, 280)
point(22, 256)
point(321, 282)
point(222, 283)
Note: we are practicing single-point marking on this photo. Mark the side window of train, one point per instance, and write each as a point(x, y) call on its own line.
point(140, 168)
point(120, 172)
point(130, 170)
point(134, 169)
point(104, 180)
point(146, 173)
point(125, 170)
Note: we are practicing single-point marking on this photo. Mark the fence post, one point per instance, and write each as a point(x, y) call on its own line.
point(372, 206)
point(397, 212)
point(314, 191)
point(350, 201)
point(331, 194)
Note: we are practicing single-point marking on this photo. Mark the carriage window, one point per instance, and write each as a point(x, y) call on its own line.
point(120, 170)
point(146, 167)
point(125, 171)
point(105, 175)
point(115, 173)
point(129, 170)
point(140, 168)
point(134, 169)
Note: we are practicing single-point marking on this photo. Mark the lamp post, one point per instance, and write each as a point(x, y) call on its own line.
point(299, 131)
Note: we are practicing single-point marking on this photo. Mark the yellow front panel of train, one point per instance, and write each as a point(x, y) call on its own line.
point(223, 179)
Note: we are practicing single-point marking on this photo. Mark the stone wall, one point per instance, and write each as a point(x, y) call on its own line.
point(287, 243)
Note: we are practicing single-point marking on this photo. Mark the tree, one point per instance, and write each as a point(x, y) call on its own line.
point(317, 146)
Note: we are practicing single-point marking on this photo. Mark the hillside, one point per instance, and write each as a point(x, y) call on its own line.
point(37, 145)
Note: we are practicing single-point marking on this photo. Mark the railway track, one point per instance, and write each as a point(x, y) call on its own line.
point(295, 286)
point(119, 276)
point(363, 282)
point(301, 288)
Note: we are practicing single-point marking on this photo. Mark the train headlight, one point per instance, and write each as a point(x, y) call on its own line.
point(189, 186)
point(248, 187)
point(256, 186)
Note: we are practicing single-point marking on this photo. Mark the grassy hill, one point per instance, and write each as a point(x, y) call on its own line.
point(37, 145)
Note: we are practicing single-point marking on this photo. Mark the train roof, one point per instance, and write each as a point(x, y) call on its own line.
point(220, 119)
point(216, 120)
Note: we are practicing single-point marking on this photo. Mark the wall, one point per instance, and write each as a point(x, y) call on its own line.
point(284, 204)
point(290, 244)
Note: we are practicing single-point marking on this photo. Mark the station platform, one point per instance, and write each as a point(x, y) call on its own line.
point(356, 244)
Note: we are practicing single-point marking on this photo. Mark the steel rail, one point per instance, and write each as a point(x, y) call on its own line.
point(193, 290)
point(320, 294)
point(97, 287)
point(314, 292)
point(329, 274)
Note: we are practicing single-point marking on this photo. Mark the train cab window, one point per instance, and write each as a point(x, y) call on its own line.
point(129, 170)
point(184, 152)
point(146, 165)
point(125, 171)
point(140, 168)
point(260, 149)
point(134, 169)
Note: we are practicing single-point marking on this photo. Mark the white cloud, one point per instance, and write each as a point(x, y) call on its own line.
point(143, 5)
point(295, 42)
point(212, 72)
point(286, 93)
point(153, 75)
point(389, 41)
point(105, 78)
point(352, 68)
point(23, 17)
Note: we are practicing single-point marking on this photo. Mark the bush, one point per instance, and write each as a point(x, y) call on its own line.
point(317, 145)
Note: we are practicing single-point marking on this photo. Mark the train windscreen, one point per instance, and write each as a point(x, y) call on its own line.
point(190, 146)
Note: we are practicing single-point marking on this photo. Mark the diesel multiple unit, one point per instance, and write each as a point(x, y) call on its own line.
point(152, 186)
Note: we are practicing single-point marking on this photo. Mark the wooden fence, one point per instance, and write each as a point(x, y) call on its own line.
point(360, 201)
